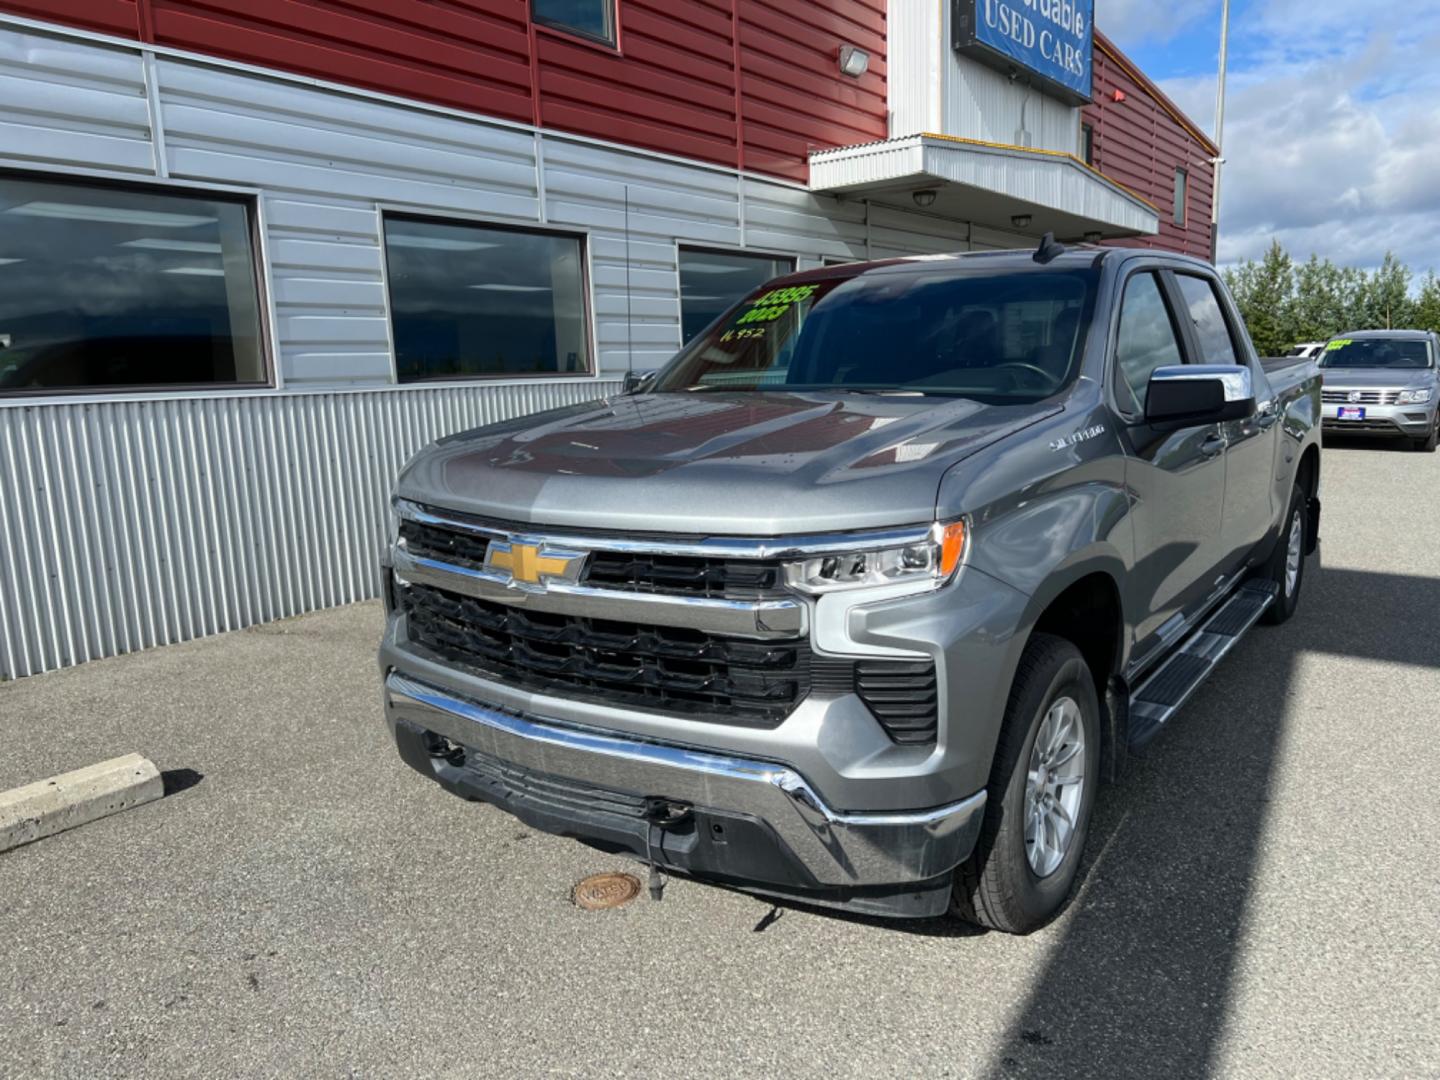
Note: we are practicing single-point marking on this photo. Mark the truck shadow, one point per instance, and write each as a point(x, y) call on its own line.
point(1140, 978)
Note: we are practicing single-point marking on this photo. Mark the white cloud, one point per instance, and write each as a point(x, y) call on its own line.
point(1332, 136)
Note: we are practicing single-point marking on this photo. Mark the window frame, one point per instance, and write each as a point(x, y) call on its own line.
point(1182, 335)
point(254, 206)
point(570, 33)
point(682, 246)
point(1180, 212)
point(1087, 144)
point(385, 211)
point(1182, 306)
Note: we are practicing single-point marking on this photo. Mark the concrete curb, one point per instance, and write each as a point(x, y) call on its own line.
point(75, 798)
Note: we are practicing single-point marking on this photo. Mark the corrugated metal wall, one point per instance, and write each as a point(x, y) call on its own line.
point(136, 521)
point(130, 524)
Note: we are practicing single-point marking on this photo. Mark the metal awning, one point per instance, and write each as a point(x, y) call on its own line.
point(987, 184)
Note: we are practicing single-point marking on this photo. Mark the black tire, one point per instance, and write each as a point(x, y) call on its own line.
point(1275, 570)
point(1427, 445)
point(997, 887)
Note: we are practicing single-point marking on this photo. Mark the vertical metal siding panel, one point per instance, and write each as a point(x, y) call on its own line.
point(131, 524)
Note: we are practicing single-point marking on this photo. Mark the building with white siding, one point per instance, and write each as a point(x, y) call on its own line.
point(249, 264)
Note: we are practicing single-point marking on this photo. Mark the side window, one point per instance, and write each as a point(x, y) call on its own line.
point(1147, 340)
point(1217, 343)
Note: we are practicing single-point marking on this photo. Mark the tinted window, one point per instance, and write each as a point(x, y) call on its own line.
point(1087, 144)
point(113, 287)
point(1373, 352)
point(1217, 346)
point(589, 18)
point(1146, 341)
point(711, 281)
point(1001, 337)
point(1181, 183)
point(472, 300)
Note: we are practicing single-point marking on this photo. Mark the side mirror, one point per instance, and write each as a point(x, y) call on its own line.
point(637, 381)
point(1193, 394)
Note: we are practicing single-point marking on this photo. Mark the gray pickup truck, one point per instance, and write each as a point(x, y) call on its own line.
point(859, 599)
point(1383, 382)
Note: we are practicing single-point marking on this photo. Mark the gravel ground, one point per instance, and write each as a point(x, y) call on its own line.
point(1262, 895)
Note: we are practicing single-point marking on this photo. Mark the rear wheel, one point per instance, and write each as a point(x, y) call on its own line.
point(1287, 565)
point(1041, 791)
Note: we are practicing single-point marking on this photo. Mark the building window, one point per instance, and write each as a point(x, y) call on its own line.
point(1087, 144)
point(108, 287)
point(711, 281)
point(1181, 184)
point(475, 300)
point(592, 19)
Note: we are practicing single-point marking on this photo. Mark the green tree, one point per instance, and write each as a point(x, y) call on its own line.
point(1385, 301)
point(1427, 304)
point(1265, 294)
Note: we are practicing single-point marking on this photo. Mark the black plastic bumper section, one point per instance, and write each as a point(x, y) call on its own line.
point(714, 845)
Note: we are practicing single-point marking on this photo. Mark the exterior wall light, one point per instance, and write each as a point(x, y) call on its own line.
point(1092, 238)
point(1021, 221)
point(854, 61)
point(924, 198)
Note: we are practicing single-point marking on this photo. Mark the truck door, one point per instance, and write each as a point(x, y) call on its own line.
point(1176, 478)
point(1250, 444)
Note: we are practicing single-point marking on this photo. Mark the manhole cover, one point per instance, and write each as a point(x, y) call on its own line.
point(600, 891)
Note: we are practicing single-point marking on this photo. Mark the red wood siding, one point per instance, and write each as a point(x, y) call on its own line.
point(118, 17)
point(748, 83)
point(793, 99)
point(1141, 141)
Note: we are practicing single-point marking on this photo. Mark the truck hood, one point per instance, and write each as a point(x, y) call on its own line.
point(758, 464)
point(1377, 378)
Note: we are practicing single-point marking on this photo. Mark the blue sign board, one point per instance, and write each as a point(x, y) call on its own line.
point(1051, 40)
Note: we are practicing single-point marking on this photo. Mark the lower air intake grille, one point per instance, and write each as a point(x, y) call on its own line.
point(679, 671)
point(903, 696)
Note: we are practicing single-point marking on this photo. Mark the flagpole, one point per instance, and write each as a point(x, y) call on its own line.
point(1219, 159)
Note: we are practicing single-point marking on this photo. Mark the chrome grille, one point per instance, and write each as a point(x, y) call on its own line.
point(1367, 397)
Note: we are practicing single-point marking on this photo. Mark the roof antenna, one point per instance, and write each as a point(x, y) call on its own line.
point(1049, 250)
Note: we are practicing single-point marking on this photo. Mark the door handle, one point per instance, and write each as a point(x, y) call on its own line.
point(1214, 445)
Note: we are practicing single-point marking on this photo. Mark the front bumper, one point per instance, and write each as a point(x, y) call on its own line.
point(747, 822)
point(1398, 421)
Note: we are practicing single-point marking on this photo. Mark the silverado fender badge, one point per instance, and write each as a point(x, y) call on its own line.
point(1077, 438)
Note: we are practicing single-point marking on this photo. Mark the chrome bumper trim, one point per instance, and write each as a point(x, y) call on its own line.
point(838, 848)
point(760, 618)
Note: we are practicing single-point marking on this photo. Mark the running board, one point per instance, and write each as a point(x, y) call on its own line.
point(1162, 694)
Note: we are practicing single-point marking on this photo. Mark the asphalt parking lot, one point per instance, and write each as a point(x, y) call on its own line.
point(1262, 896)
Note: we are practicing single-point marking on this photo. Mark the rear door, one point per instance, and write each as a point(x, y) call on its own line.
point(1250, 444)
point(1176, 478)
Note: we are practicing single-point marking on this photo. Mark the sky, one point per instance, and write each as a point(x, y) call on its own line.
point(1332, 118)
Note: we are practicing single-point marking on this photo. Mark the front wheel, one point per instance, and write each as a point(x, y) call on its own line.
point(1041, 791)
point(1428, 443)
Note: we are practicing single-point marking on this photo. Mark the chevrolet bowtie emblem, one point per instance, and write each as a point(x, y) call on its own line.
point(531, 564)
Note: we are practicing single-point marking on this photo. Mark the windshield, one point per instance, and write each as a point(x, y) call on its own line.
point(1376, 353)
point(1001, 338)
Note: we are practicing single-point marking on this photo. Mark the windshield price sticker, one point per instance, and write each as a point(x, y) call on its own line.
point(1338, 344)
point(766, 309)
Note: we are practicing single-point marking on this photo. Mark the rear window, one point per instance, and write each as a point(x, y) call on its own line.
point(1376, 353)
point(999, 337)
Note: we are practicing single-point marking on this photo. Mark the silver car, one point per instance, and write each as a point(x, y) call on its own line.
point(1383, 382)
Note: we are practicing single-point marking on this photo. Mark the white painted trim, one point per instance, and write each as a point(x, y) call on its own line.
point(152, 108)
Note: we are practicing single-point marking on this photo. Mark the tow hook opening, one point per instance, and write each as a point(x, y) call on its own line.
point(662, 814)
point(438, 746)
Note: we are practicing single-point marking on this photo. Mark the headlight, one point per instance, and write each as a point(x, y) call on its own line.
point(1413, 397)
point(392, 527)
point(932, 560)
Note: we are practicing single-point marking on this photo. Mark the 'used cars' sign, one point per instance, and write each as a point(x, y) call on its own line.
point(1051, 39)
